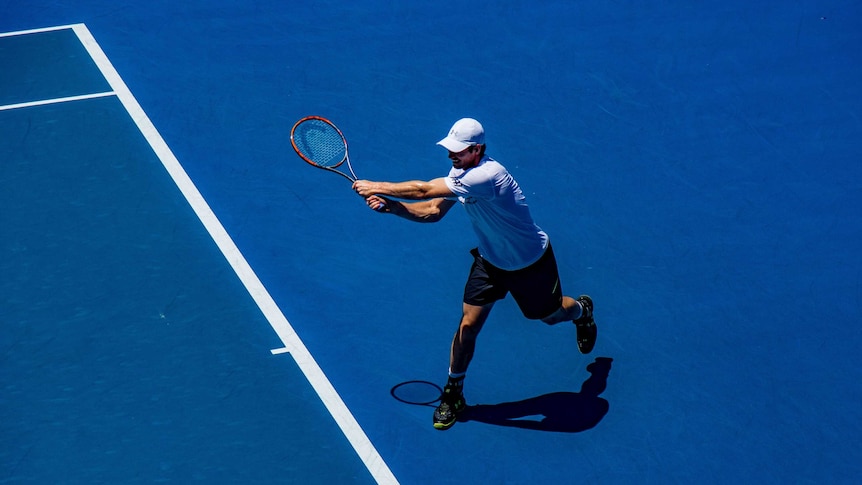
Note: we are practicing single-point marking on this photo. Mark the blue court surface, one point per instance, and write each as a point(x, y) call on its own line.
point(184, 300)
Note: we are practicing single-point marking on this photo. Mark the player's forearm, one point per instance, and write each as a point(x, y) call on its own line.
point(416, 211)
point(411, 190)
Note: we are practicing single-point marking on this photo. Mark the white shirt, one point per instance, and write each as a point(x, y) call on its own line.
point(508, 237)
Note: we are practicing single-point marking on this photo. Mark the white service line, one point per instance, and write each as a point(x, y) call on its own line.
point(56, 100)
point(293, 345)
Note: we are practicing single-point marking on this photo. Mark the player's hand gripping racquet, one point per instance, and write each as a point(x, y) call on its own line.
point(318, 142)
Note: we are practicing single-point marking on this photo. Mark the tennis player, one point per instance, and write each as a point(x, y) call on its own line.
point(514, 256)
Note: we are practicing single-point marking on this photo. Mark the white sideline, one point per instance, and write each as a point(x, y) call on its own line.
point(292, 343)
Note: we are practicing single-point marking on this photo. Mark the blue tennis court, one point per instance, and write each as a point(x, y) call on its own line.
point(184, 300)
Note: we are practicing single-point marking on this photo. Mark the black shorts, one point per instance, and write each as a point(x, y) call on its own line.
point(536, 288)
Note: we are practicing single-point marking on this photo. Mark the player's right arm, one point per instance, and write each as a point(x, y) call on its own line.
point(423, 211)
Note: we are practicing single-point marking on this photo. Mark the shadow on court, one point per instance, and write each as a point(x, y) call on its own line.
point(567, 412)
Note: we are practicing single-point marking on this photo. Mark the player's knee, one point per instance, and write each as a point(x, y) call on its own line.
point(468, 327)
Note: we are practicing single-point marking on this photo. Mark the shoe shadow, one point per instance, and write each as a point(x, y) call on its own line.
point(566, 412)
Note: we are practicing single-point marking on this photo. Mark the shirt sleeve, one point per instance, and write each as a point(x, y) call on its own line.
point(477, 182)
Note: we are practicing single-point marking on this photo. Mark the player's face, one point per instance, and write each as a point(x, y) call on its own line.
point(466, 158)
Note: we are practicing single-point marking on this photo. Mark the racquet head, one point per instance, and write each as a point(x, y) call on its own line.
point(318, 142)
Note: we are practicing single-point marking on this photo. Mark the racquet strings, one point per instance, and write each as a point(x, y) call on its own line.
point(320, 143)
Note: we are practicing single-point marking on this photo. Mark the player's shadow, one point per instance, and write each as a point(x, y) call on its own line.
point(568, 412)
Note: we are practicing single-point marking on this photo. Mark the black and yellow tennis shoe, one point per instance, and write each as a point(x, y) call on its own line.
point(586, 326)
point(447, 413)
point(452, 403)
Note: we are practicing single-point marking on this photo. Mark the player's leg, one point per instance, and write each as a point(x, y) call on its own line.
point(570, 310)
point(464, 343)
point(452, 402)
point(579, 312)
point(538, 292)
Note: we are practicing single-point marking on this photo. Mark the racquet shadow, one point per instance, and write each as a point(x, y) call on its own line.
point(566, 412)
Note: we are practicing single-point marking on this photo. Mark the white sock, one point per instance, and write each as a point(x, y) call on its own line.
point(580, 310)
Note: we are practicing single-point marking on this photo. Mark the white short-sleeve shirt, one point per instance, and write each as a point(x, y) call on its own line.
point(508, 237)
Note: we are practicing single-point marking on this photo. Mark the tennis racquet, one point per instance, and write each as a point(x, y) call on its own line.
point(318, 142)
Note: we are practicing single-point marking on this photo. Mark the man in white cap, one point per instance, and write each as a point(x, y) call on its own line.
point(514, 255)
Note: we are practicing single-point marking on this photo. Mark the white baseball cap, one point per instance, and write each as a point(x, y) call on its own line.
point(464, 133)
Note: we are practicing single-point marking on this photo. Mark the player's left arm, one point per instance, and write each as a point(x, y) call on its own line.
point(421, 211)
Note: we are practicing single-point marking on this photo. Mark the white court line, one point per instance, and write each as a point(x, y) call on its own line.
point(56, 100)
point(35, 31)
point(293, 345)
